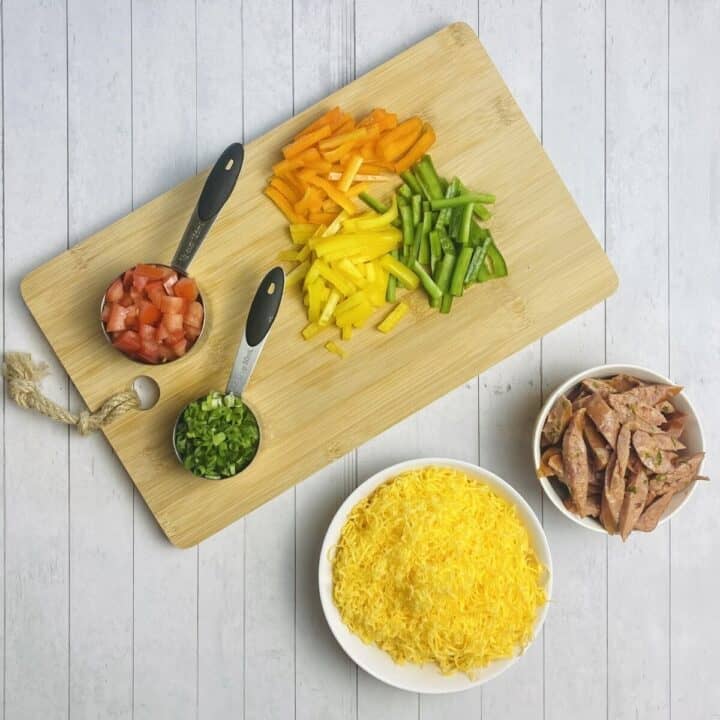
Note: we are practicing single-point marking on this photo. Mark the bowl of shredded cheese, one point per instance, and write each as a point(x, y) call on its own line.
point(435, 575)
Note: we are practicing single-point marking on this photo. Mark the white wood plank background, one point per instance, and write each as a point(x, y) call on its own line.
point(106, 104)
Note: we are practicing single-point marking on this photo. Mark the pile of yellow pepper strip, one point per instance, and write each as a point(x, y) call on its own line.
point(344, 270)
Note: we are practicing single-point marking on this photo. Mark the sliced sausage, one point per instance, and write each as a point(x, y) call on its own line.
point(575, 459)
point(597, 445)
point(653, 457)
point(628, 408)
point(653, 394)
point(651, 515)
point(604, 419)
point(675, 424)
point(685, 471)
point(633, 503)
point(557, 420)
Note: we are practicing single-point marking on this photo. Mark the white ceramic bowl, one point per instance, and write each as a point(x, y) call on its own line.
point(426, 678)
point(692, 436)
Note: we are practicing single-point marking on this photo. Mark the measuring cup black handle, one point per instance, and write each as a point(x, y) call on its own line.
point(218, 187)
point(262, 314)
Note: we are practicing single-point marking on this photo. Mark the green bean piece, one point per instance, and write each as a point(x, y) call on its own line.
point(435, 250)
point(462, 200)
point(446, 303)
point(464, 234)
point(446, 244)
point(416, 204)
point(424, 253)
point(390, 292)
point(443, 217)
point(478, 234)
point(443, 272)
point(435, 302)
point(478, 257)
point(373, 203)
point(427, 282)
point(411, 182)
point(482, 212)
point(429, 178)
point(404, 191)
point(407, 228)
point(457, 284)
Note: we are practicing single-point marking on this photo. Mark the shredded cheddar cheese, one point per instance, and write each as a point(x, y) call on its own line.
point(434, 566)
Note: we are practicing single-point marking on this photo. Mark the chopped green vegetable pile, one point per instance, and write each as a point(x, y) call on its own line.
point(217, 436)
point(443, 244)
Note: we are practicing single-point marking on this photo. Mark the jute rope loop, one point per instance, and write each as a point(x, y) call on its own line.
point(23, 376)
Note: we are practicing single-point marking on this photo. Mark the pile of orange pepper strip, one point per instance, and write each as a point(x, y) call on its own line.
point(333, 159)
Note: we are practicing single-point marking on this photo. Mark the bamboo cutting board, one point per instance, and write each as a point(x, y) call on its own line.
point(312, 406)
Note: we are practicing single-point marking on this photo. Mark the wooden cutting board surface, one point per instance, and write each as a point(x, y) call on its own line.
point(312, 406)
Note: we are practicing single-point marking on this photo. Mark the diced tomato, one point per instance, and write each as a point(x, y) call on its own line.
point(116, 321)
point(115, 291)
point(191, 333)
point(127, 342)
point(172, 321)
point(186, 288)
point(170, 304)
point(149, 313)
point(155, 292)
point(180, 348)
point(161, 332)
point(128, 279)
point(126, 300)
point(140, 281)
point(166, 353)
point(169, 281)
point(106, 311)
point(175, 337)
point(150, 351)
point(154, 272)
point(146, 332)
point(194, 314)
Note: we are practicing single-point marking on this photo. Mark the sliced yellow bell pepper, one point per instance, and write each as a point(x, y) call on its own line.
point(301, 232)
point(336, 349)
point(406, 276)
point(311, 330)
point(296, 275)
point(373, 221)
point(329, 309)
point(397, 314)
point(346, 332)
point(348, 269)
point(345, 287)
point(304, 253)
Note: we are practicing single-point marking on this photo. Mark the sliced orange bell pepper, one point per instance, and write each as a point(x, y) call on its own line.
point(345, 125)
point(424, 143)
point(376, 168)
point(340, 138)
point(332, 191)
point(321, 217)
point(286, 166)
point(289, 192)
point(338, 153)
point(351, 170)
point(285, 207)
point(413, 124)
point(311, 158)
point(357, 188)
point(331, 118)
point(398, 147)
point(305, 141)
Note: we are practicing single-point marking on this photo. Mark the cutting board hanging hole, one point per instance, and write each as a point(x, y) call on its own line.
point(147, 390)
point(229, 164)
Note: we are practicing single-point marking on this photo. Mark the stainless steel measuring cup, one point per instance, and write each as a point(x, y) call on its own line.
point(218, 187)
point(262, 314)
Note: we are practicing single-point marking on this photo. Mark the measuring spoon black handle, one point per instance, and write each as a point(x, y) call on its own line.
point(218, 187)
point(263, 311)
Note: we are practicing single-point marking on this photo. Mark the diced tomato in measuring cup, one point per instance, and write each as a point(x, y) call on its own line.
point(172, 321)
point(127, 342)
point(172, 304)
point(154, 272)
point(194, 314)
point(186, 288)
point(115, 291)
point(151, 314)
point(169, 281)
point(116, 321)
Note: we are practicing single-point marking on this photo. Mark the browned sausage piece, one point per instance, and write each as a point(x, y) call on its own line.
point(614, 490)
point(685, 471)
point(557, 420)
point(628, 408)
point(621, 383)
point(652, 456)
point(653, 394)
point(605, 420)
point(675, 424)
point(597, 445)
point(575, 459)
point(633, 503)
point(651, 515)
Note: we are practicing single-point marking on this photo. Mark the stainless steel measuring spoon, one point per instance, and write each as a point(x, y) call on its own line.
point(115, 317)
point(191, 442)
